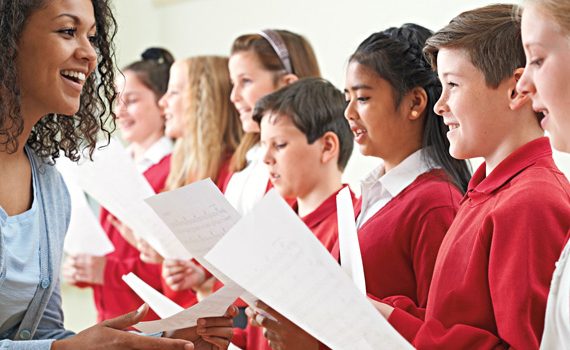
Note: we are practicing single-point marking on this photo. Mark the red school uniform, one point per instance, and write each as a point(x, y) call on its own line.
point(324, 225)
point(115, 297)
point(399, 243)
point(494, 267)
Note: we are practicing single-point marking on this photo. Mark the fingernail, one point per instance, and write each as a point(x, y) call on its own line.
point(141, 309)
point(201, 322)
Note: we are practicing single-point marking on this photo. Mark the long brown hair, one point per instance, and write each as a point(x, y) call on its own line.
point(213, 129)
point(303, 63)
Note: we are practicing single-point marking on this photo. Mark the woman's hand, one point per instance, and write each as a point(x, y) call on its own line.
point(211, 332)
point(281, 334)
point(110, 335)
point(181, 275)
point(84, 268)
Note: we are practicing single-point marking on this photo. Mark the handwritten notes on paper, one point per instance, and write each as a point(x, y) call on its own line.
point(350, 256)
point(294, 274)
point(112, 180)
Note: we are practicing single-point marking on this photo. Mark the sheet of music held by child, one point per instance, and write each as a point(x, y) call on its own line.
point(84, 234)
point(174, 316)
point(113, 181)
point(350, 256)
point(288, 268)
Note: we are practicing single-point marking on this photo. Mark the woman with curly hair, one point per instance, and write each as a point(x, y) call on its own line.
point(56, 86)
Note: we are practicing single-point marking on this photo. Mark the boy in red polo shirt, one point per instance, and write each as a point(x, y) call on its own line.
point(307, 143)
point(493, 269)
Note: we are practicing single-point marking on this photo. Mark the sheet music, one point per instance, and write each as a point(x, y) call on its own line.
point(289, 269)
point(213, 306)
point(350, 256)
point(84, 234)
point(112, 180)
point(199, 215)
point(160, 304)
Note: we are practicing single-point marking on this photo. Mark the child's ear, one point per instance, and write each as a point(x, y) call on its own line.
point(516, 99)
point(288, 79)
point(418, 101)
point(330, 147)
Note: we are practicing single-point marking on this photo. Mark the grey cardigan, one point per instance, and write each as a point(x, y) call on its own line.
point(43, 321)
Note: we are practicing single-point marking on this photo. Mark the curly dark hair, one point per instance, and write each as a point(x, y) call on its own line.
point(71, 134)
point(395, 54)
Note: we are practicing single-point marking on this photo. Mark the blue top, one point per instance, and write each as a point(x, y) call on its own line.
point(22, 259)
point(42, 323)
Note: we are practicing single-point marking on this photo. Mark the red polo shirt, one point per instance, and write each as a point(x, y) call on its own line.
point(493, 271)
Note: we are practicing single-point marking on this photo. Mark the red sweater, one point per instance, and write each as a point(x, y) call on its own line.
point(399, 243)
point(324, 225)
point(494, 267)
point(115, 297)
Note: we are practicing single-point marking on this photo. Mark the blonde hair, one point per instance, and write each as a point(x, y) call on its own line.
point(213, 128)
point(559, 10)
point(303, 63)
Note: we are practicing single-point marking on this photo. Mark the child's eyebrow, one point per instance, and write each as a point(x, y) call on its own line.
point(447, 74)
point(359, 87)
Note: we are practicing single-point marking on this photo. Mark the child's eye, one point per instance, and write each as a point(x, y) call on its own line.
point(451, 84)
point(537, 62)
point(280, 145)
point(362, 99)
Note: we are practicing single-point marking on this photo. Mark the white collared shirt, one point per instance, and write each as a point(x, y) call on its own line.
point(379, 187)
point(557, 321)
point(248, 186)
point(153, 154)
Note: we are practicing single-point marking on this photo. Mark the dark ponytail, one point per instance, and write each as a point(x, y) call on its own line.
point(153, 69)
point(395, 54)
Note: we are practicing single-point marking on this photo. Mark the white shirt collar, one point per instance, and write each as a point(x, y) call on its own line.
point(154, 153)
point(379, 187)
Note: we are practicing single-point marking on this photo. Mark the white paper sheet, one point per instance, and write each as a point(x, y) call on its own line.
point(214, 305)
point(160, 304)
point(199, 215)
point(112, 180)
point(84, 234)
point(350, 256)
point(233, 347)
point(289, 269)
